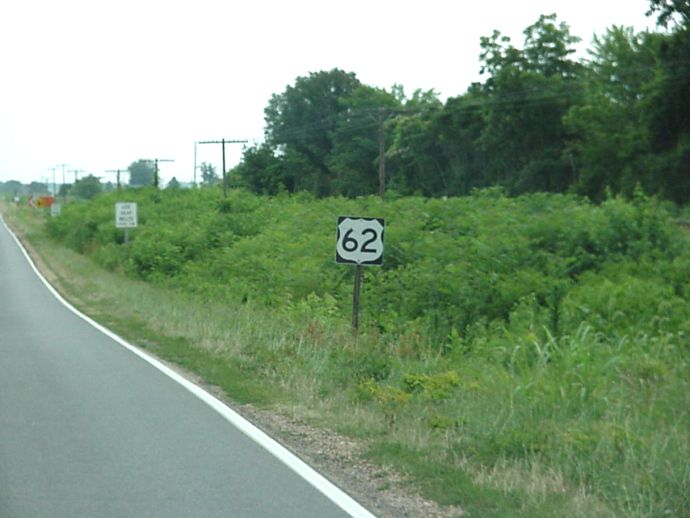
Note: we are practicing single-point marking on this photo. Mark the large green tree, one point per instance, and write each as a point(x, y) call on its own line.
point(359, 132)
point(38, 188)
point(208, 174)
point(263, 170)
point(88, 187)
point(608, 137)
point(459, 127)
point(668, 112)
point(540, 121)
point(303, 118)
point(13, 187)
point(415, 159)
point(527, 93)
point(141, 173)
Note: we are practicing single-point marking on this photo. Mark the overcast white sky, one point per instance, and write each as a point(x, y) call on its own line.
point(97, 85)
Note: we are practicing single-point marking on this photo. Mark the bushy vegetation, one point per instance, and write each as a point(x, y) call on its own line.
point(526, 353)
point(450, 264)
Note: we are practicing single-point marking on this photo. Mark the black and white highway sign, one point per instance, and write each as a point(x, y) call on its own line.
point(359, 241)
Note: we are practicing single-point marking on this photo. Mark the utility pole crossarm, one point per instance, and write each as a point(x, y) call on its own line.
point(156, 161)
point(223, 142)
point(76, 173)
point(117, 171)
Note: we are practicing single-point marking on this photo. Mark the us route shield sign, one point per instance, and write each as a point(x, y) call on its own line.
point(359, 241)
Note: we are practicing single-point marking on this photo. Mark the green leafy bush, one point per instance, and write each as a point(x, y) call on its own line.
point(449, 263)
point(541, 330)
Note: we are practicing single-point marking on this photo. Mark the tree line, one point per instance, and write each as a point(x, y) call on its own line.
point(140, 173)
point(540, 120)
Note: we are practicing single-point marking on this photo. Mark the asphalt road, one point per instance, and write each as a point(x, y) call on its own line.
point(89, 429)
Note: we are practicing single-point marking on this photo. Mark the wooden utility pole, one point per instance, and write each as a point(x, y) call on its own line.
point(195, 166)
point(76, 174)
point(118, 171)
point(356, 297)
point(384, 115)
point(382, 154)
point(223, 142)
point(63, 178)
point(155, 169)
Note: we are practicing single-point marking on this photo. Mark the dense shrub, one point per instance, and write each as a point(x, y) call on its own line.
point(449, 263)
point(541, 330)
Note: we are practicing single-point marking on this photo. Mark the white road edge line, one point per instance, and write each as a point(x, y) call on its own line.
point(309, 474)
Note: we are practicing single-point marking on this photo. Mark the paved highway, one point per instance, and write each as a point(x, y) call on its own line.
point(90, 429)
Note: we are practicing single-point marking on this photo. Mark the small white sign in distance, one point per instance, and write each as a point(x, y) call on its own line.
point(359, 241)
point(125, 215)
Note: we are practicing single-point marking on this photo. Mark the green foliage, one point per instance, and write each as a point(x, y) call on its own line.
point(414, 155)
point(359, 131)
point(449, 263)
point(38, 188)
point(526, 96)
point(87, 187)
point(435, 387)
point(12, 187)
point(263, 172)
point(668, 112)
point(541, 332)
point(541, 121)
point(304, 116)
point(391, 399)
point(670, 10)
point(209, 176)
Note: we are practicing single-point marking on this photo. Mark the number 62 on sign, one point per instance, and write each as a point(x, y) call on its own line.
point(359, 241)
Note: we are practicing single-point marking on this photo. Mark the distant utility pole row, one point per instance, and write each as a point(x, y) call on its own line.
point(53, 169)
point(61, 166)
point(155, 161)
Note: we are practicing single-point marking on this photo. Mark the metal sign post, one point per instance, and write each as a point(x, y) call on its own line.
point(355, 297)
point(359, 241)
